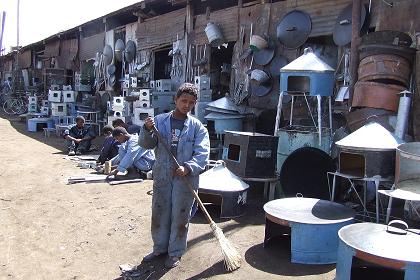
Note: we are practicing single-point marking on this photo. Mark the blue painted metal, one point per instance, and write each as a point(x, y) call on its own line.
point(344, 261)
point(200, 110)
point(315, 244)
point(71, 109)
point(223, 125)
point(295, 137)
point(319, 83)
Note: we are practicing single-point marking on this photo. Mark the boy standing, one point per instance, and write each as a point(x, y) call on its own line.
point(172, 200)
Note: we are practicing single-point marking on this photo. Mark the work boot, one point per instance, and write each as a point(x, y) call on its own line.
point(71, 153)
point(172, 262)
point(152, 256)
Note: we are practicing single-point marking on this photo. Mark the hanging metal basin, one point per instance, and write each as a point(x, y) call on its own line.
point(214, 34)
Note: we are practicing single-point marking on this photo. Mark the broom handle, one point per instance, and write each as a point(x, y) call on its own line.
point(187, 182)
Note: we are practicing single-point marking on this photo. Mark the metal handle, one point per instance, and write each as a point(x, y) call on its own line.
point(397, 230)
point(299, 195)
point(292, 28)
point(345, 22)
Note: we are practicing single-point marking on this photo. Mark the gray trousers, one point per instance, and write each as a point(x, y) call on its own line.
point(171, 209)
point(83, 146)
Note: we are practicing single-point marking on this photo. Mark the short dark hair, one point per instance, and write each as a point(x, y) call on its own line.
point(118, 122)
point(187, 88)
point(80, 118)
point(119, 131)
point(107, 129)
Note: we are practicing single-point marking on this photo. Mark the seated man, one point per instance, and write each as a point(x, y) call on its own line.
point(130, 154)
point(79, 137)
point(110, 146)
point(132, 129)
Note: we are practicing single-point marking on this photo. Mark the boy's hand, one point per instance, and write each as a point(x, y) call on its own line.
point(149, 123)
point(182, 171)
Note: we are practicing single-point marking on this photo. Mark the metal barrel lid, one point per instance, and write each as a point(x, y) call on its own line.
point(266, 55)
point(309, 210)
point(377, 240)
point(276, 64)
point(294, 29)
point(387, 37)
point(130, 51)
point(108, 54)
point(342, 28)
point(119, 49)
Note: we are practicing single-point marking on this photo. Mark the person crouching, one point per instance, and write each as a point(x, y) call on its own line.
point(130, 154)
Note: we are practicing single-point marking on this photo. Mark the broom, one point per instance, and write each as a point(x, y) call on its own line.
point(231, 257)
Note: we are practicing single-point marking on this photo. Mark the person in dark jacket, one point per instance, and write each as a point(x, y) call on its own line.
point(131, 129)
point(79, 137)
point(110, 146)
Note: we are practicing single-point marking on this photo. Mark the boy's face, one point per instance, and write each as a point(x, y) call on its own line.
point(185, 103)
point(80, 123)
point(121, 138)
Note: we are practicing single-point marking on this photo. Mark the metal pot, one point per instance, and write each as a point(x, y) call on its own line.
point(385, 67)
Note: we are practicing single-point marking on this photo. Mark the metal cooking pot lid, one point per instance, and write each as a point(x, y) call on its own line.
point(130, 51)
point(261, 89)
point(119, 49)
point(111, 69)
point(342, 28)
point(294, 29)
point(108, 54)
point(264, 56)
point(276, 64)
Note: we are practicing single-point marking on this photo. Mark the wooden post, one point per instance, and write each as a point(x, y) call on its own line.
point(355, 42)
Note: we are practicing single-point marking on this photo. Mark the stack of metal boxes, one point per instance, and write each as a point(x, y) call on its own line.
point(204, 96)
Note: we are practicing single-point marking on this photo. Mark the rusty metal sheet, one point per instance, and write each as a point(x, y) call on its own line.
point(402, 16)
point(52, 49)
point(89, 46)
point(387, 37)
point(376, 95)
point(323, 13)
point(68, 53)
point(25, 59)
point(160, 30)
point(226, 19)
point(385, 67)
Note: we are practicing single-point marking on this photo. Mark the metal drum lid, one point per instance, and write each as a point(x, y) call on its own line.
point(265, 56)
point(387, 37)
point(294, 29)
point(261, 86)
point(342, 28)
point(111, 69)
point(130, 51)
point(377, 240)
point(108, 54)
point(119, 49)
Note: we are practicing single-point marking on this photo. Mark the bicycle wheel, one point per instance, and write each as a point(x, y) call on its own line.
point(8, 106)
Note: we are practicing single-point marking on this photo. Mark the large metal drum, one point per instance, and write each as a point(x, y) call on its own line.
point(382, 245)
point(385, 67)
point(292, 138)
point(376, 95)
point(314, 225)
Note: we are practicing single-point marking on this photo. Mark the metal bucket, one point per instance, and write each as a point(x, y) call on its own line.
point(292, 138)
point(214, 34)
point(385, 67)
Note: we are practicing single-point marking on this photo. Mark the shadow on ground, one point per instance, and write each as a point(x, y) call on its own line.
point(53, 141)
point(278, 251)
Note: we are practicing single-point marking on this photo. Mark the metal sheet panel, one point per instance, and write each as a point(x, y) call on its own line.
point(25, 59)
point(161, 30)
point(226, 20)
point(323, 13)
point(90, 45)
point(68, 53)
point(52, 49)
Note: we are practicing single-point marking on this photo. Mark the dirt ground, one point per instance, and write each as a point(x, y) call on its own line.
point(51, 230)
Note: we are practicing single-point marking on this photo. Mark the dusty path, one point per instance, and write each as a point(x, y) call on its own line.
point(50, 230)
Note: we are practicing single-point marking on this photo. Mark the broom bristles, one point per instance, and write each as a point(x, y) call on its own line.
point(231, 257)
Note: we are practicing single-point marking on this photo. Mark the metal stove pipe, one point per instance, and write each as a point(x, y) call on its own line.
point(403, 112)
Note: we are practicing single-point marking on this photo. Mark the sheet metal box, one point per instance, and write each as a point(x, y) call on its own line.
point(140, 114)
point(164, 85)
point(249, 154)
point(202, 82)
point(58, 109)
point(54, 95)
point(69, 96)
